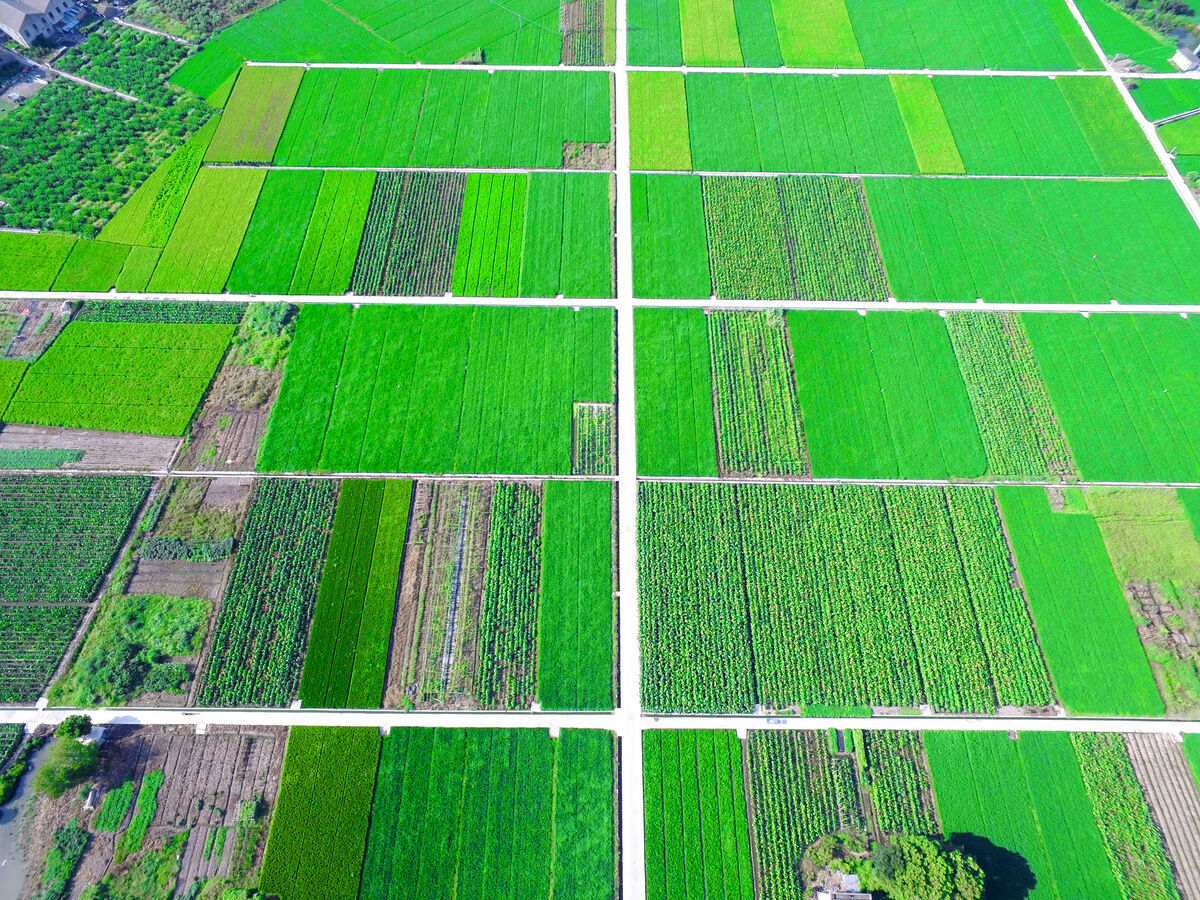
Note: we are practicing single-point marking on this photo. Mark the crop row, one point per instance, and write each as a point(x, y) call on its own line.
point(593, 439)
point(801, 792)
point(411, 234)
point(1131, 839)
point(893, 770)
point(164, 312)
point(507, 672)
point(825, 587)
point(32, 641)
point(260, 635)
point(58, 535)
point(1012, 407)
point(758, 415)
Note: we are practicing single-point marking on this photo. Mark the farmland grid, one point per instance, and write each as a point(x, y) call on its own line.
point(627, 720)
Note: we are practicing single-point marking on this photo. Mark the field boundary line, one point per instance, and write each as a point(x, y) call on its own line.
point(862, 307)
point(907, 482)
point(459, 67)
point(316, 476)
point(721, 174)
point(465, 170)
point(608, 721)
point(629, 706)
point(952, 73)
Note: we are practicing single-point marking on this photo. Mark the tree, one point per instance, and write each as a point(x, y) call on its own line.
point(67, 764)
point(75, 727)
point(916, 868)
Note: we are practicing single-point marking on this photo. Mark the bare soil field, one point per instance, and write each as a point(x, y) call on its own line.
point(1160, 766)
point(41, 322)
point(101, 449)
point(180, 578)
point(209, 780)
point(436, 629)
point(230, 425)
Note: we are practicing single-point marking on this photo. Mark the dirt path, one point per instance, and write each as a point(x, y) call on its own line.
point(1164, 774)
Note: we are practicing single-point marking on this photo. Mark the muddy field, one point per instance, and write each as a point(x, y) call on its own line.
point(436, 629)
point(180, 578)
point(209, 780)
point(227, 431)
point(101, 449)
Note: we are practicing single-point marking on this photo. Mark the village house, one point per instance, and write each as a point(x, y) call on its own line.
point(27, 20)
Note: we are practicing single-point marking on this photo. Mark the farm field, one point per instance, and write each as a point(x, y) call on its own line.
point(869, 124)
point(171, 809)
point(1122, 37)
point(121, 376)
point(1017, 570)
point(411, 804)
point(508, 413)
point(505, 598)
point(529, 32)
point(857, 33)
point(204, 230)
point(1063, 813)
point(397, 118)
point(917, 395)
point(912, 239)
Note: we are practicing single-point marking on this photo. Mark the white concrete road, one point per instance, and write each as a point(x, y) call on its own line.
point(623, 722)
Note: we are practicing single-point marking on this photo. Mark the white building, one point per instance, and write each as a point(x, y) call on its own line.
point(27, 20)
point(1184, 60)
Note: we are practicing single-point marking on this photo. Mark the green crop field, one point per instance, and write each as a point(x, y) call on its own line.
point(121, 376)
point(468, 404)
point(919, 395)
point(882, 397)
point(423, 808)
point(31, 262)
point(275, 236)
point(676, 425)
point(1068, 579)
point(347, 656)
point(58, 535)
point(1120, 36)
point(916, 580)
point(319, 828)
point(911, 34)
point(1161, 98)
point(575, 619)
point(355, 31)
point(91, 266)
point(441, 794)
point(396, 118)
point(1124, 392)
point(815, 123)
point(203, 245)
point(1064, 809)
point(326, 260)
point(697, 836)
point(257, 110)
point(261, 632)
point(33, 640)
point(913, 239)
